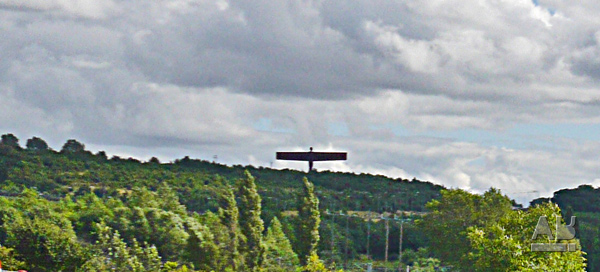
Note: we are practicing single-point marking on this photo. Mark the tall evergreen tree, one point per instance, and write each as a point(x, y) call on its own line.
point(228, 214)
point(309, 219)
point(279, 256)
point(200, 249)
point(251, 223)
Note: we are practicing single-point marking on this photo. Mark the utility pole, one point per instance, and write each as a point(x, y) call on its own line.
point(401, 221)
point(346, 247)
point(332, 225)
point(400, 247)
point(387, 235)
point(387, 241)
point(368, 234)
point(332, 235)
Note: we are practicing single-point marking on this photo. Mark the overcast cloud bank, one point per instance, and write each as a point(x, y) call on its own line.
point(467, 94)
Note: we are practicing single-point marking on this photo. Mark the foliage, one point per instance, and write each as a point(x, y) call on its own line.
point(72, 146)
point(200, 249)
point(584, 203)
point(314, 264)
point(229, 215)
point(279, 253)
point(36, 144)
point(9, 259)
point(426, 265)
point(588, 231)
point(451, 216)
point(309, 219)
point(48, 247)
point(482, 233)
point(251, 224)
point(186, 213)
point(112, 254)
point(10, 140)
point(505, 245)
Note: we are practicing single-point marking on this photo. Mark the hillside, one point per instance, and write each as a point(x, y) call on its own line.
point(73, 210)
point(74, 174)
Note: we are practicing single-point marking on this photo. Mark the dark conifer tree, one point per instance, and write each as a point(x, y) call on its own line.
point(280, 256)
point(229, 213)
point(309, 219)
point(200, 248)
point(251, 223)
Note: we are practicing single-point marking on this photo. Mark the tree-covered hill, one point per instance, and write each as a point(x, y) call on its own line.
point(74, 170)
point(75, 174)
point(73, 210)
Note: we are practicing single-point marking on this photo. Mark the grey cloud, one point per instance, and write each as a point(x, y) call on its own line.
point(319, 50)
point(194, 77)
point(77, 8)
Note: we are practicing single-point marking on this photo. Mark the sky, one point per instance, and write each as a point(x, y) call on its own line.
point(463, 93)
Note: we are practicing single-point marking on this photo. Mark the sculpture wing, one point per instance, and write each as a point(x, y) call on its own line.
point(293, 156)
point(329, 156)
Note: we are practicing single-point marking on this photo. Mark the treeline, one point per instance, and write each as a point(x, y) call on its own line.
point(72, 210)
point(200, 187)
point(73, 166)
point(74, 171)
point(137, 228)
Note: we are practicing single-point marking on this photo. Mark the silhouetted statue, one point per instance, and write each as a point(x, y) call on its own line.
point(312, 156)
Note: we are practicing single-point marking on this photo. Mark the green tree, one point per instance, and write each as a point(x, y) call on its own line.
point(36, 144)
point(10, 140)
point(228, 214)
point(589, 235)
point(251, 223)
point(166, 230)
point(154, 160)
point(147, 255)
point(44, 245)
point(168, 199)
point(279, 253)
point(72, 146)
point(113, 254)
point(426, 265)
point(309, 219)
point(200, 249)
point(505, 245)
point(451, 216)
point(9, 261)
point(88, 211)
point(314, 264)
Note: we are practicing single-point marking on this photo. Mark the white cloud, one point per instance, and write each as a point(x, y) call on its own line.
point(418, 56)
point(93, 9)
